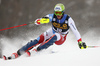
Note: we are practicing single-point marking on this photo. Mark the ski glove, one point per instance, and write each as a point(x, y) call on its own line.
point(37, 22)
point(42, 20)
point(82, 45)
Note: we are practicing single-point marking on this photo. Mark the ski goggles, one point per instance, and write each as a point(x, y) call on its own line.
point(58, 13)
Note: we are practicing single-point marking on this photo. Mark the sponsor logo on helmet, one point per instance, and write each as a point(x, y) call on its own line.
point(58, 8)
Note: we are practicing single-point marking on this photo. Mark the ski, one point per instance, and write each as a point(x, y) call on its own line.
point(6, 58)
point(14, 56)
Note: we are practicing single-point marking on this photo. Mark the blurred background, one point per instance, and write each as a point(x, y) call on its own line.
point(85, 13)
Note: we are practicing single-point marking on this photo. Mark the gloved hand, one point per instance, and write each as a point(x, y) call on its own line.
point(82, 45)
point(42, 20)
point(37, 21)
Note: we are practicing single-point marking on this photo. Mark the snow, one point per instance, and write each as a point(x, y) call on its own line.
point(67, 54)
point(89, 57)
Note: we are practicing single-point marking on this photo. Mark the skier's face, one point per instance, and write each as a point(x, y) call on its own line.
point(58, 14)
point(59, 17)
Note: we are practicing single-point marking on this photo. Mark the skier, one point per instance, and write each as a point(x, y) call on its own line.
point(61, 23)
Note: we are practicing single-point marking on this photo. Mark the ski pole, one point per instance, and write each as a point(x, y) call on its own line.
point(93, 46)
point(16, 26)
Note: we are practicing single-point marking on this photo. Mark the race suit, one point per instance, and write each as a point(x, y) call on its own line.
point(56, 34)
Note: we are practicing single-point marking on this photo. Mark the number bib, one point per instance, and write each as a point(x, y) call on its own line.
point(60, 27)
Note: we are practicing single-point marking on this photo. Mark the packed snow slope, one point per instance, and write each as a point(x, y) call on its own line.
point(67, 54)
point(67, 57)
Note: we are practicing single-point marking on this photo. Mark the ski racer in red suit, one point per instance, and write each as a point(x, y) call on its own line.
point(61, 23)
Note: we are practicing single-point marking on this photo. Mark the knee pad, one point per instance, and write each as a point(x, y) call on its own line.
point(40, 38)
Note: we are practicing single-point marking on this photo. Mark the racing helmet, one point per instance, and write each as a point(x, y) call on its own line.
point(59, 9)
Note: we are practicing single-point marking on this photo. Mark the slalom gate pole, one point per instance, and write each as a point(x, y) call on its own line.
point(93, 46)
point(16, 26)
